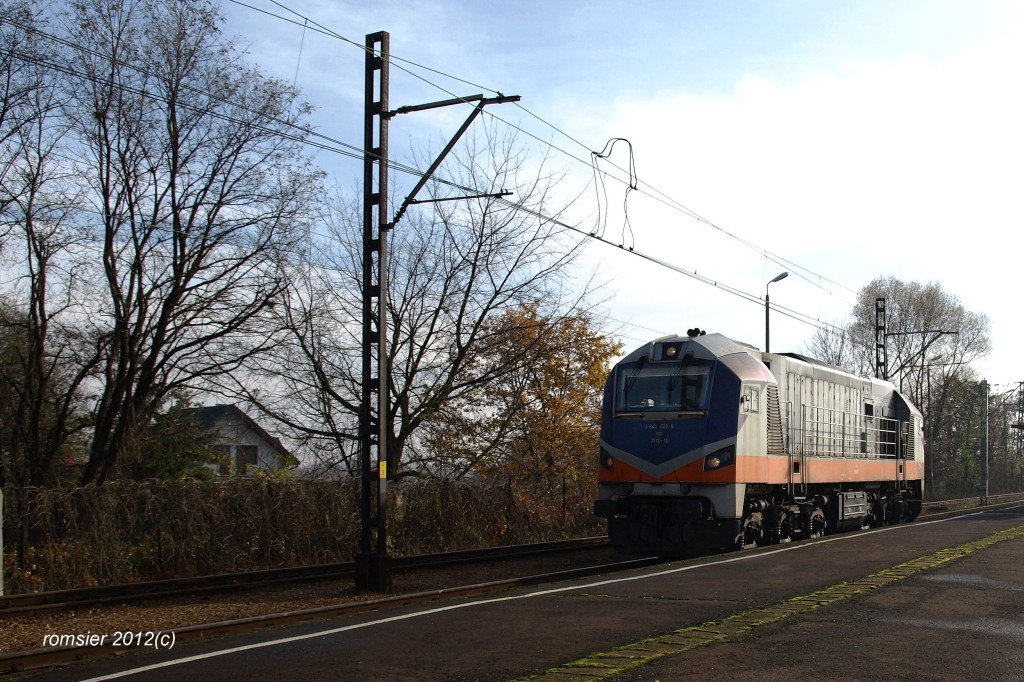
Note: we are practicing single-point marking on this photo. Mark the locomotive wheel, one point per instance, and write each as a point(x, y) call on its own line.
point(752, 533)
point(786, 529)
point(877, 516)
point(769, 538)
point(812, 522)
point(816, 523)
point(776, 526)
point(892, 511)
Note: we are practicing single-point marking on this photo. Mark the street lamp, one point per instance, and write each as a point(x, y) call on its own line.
point(782, 275)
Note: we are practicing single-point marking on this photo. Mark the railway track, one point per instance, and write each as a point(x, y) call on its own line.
point(90, 597)
point(938, 506)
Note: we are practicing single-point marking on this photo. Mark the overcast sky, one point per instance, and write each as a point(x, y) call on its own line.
point(856, 139)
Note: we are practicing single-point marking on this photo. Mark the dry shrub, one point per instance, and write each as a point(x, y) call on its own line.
point(126, 531)
point(438, 515)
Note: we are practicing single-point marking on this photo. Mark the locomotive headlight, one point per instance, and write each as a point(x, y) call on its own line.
point(720, 458)
point(670, 351)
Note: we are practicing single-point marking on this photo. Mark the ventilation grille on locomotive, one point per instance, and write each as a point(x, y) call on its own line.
point(910, 437)
point(776, 445)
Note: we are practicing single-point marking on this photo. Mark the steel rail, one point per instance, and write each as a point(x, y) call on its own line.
point(977, 501)
point(57, 600)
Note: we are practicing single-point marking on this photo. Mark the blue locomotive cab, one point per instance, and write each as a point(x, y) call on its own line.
point(669, 404)
point(670, 408)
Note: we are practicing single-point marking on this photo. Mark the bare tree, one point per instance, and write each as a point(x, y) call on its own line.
point(54, 358)
point(47, 358)
point(20, 81)
point(453, 268)
point(931, 339)
point(927, 327)
point(832, 344)
point(196, 173)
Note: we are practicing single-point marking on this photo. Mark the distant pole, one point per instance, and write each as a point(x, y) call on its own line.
point(1018, 425)
point(984, 439)
point(881, 359)
point(767, 311)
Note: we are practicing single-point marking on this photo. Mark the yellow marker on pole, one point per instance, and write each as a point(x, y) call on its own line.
point(383, 469)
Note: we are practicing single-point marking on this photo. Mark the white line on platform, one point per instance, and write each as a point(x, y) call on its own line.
point(528, 595)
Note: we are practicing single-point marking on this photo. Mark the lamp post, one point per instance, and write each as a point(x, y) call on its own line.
point(782, 275)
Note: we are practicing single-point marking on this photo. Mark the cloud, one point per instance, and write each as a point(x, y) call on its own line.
point(908, 167)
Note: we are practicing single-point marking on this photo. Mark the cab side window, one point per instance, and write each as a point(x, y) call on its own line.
point(751, 399)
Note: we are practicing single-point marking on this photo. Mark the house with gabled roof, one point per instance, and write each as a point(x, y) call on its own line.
point(246, 445)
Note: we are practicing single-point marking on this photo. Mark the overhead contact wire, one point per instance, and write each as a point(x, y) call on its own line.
point(651, 191)
point(358, 153)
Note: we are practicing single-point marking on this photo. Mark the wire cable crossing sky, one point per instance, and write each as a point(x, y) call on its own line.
point(842, 143)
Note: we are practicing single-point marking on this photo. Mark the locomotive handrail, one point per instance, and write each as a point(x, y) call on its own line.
point(828, 432)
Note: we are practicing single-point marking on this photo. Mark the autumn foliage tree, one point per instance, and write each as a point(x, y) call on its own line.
point(538, 420)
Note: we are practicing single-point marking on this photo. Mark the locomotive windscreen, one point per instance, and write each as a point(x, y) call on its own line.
point(646, 387)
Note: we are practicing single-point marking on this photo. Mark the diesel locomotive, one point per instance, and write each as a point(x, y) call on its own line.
point(708, 443)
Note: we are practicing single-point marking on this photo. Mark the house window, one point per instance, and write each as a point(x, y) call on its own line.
point(223, 454)
point(246, 455)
